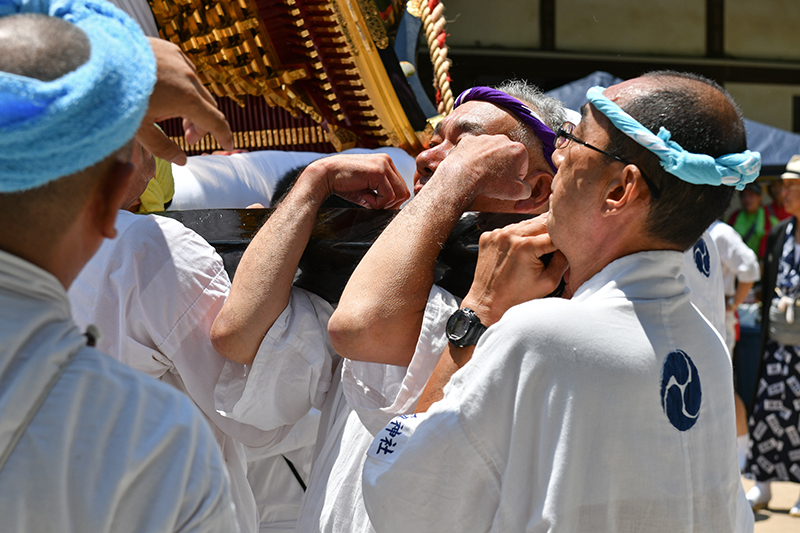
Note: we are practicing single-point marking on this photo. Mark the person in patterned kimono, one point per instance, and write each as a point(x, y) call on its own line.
point(774, 453)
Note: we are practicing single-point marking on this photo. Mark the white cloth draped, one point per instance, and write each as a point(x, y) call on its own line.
point(238, 180)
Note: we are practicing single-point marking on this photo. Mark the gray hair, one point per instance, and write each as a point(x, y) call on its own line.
point(550, 110)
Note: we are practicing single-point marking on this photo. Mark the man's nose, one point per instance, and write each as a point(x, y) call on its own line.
point(427, 162)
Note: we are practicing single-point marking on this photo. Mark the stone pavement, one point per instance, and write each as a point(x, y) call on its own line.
point(776, 519)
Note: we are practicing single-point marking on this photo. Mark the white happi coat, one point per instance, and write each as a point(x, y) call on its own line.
point(702, 270)
point(106, 448)
point(296, 369)
point(610, 412)
point(154, 292)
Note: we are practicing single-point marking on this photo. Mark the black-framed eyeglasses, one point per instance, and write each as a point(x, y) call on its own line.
point(564, 136)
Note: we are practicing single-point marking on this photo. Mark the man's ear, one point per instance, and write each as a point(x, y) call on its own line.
point(622, 189)
point(541, 186)
point(110, 194)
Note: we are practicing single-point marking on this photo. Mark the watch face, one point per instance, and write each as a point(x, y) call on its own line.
point(460, 325)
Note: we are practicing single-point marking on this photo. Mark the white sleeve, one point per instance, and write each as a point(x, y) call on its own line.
point(423, 474)
point(379, 392)
point(292, 370)
point(154, 292)
point(736, 255)
point(207, 504)
point(199, 273)
point(178, 470)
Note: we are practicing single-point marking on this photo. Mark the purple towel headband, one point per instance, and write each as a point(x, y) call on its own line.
point(519, 110)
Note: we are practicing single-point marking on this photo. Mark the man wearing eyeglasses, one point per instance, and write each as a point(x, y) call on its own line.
point(608, 412)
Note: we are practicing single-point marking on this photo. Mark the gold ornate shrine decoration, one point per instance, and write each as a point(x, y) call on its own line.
point(300, 74)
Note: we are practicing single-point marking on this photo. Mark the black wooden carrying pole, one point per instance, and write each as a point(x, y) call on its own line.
point(339, 240)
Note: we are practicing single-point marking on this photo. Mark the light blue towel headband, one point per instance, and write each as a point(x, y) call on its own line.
point(53, 129)
point(735, 170)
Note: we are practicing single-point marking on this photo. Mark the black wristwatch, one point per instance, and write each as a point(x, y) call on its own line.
point(464, 328)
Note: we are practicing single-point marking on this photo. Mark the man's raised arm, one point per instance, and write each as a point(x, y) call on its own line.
point(260, 290)
point(380, 313)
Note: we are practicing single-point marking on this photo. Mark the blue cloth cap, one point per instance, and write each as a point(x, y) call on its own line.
point(56, 128)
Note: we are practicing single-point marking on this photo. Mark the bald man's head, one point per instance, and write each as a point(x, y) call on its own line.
point(46, 48)
point(703, 119)
point(41, 47)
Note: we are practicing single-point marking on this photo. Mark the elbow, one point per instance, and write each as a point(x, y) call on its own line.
point(226, 340)
point(369, 340)
point(345, 338)
point(353, 336)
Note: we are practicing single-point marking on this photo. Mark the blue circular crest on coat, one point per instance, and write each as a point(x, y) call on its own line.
point(680, 390)
point(702, 258)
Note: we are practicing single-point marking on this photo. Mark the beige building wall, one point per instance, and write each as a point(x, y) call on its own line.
point(767, 30)
point(662, 27)
point(613, 26)
point(499, 23)
point(762, 29)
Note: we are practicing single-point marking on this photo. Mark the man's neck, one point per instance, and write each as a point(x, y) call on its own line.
point(606, 251)
point(63, 257)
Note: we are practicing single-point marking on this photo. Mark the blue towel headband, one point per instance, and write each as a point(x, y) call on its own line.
point(519, 110)
point(735, 170)
point(56, 128)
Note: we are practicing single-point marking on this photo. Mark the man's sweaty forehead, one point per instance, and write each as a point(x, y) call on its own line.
point(462, 124)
